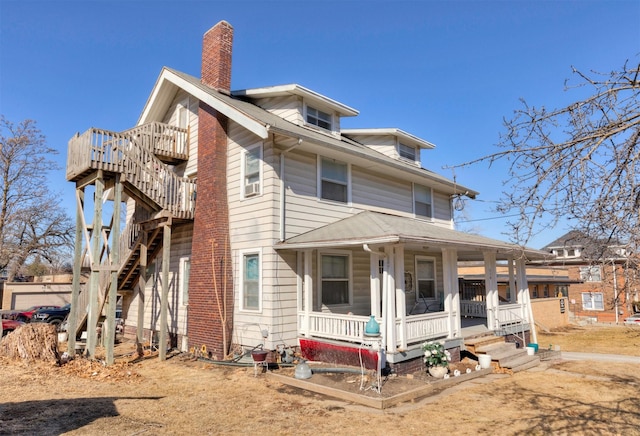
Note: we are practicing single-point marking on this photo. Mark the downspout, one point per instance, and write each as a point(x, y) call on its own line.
point(282, 186)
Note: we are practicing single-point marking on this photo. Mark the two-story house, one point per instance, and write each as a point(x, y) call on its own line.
point(254, 219)
point(604, 273)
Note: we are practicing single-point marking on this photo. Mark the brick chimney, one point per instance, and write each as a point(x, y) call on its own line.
point(210, 311)
point(216, 56)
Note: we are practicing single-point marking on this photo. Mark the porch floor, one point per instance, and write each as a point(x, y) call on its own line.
point(473, 326)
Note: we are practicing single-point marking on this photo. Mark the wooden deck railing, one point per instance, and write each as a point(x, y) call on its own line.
point(122, 153)
point(162, 139)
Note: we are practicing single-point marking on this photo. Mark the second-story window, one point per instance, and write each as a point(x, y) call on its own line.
point(318, 118)
point(334, 180)
point(590, 274)
point(407, 152)
point(422, 201)
point(251, 172)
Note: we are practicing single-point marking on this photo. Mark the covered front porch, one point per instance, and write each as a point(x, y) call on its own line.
point(403, 273)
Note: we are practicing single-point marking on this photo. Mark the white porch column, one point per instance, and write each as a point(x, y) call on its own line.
point(491, 289)
point(451, 290)
point(401, 300)
point(374, 276)
point(524, 286)
point(388, 292)
point(512, 281)
point(307, 292)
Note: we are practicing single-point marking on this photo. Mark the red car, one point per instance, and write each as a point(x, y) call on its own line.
point(25, 315)
point(9, 325)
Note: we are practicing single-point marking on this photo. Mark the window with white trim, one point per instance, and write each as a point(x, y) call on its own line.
point(334, 180)
point(592, 301)
point(407, 152)
point(426, 277)
point(251, 159)
point(319, 118)
point(422, 201)
point(590, 274)
point(185, 271)
point(251, 281)
point(335, 278)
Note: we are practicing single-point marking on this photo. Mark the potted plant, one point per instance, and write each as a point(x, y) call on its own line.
point(436, 358)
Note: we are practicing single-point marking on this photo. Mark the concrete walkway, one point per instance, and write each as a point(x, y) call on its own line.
point(568, 355)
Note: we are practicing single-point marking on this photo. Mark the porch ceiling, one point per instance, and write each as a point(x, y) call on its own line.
point(378, 229)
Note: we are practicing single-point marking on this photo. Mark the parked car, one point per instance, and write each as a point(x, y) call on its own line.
point(633, 319)
point(52, 316)
point(25, 315)
point(9, 325)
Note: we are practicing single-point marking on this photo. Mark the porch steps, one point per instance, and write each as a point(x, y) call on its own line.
point(504, 354)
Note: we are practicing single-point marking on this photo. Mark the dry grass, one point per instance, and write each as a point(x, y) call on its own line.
point(185, 396)
point(606, 339)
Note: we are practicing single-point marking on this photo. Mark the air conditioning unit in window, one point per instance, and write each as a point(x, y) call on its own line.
point(252, 189)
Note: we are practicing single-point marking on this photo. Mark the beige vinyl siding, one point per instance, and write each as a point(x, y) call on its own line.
point(373, 191)
point(385, 144)
point(286, 107)
point(442, 209)
point(177, 313)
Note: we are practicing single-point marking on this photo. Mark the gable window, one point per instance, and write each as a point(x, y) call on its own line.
point(318, 118)
point(590, 274)
point(592, 301)
point(426, 277)
point(422, 201)
point(407, 152)
point(334, 178)
point(251, 159)
point(185, 270)
point(250, 275)
point(334, 279)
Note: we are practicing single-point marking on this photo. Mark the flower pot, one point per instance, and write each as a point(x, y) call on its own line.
point(438, 371)
point(259, 355)
point(485, 361)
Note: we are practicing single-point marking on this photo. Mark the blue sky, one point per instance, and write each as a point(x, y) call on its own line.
point(446, 71)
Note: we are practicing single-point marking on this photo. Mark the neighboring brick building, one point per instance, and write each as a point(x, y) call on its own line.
point(605, 276)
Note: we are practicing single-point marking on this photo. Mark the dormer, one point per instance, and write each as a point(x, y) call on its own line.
point(392, 142)
point(300, 105)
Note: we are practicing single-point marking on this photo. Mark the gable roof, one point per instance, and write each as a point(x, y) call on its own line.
point(262, 122)
point(373, 228)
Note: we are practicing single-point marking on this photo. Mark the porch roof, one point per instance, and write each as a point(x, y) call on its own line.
point(377, 229)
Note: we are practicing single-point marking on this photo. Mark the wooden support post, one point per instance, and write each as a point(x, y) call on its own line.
point(451, 290)
point(72, 325)
point(94, 279)
point(109, 330)
point(142, 284)
point(164, 301)
point(491, 289)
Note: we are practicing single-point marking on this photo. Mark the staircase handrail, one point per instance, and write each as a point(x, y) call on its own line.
point(161, 138)
point(121, 152)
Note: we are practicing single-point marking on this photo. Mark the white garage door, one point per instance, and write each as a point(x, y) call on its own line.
point(25, 300)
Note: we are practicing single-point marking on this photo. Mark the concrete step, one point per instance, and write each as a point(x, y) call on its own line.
point(521, 363)
point(499, 352)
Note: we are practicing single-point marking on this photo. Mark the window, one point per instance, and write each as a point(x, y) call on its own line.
point(561, 290)
point(592, 301)
point(250, 286)
point(185, 271)
point(422, 201)
point(251, 172)
point(318, 118)
point(590, 274)
point(335, 278)
point(545, 291)
point(407, 152)
point(426, 277)
point(535, 291)
point(334, 177)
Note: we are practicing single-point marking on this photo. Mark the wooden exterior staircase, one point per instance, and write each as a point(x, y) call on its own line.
point(503, 354)
point(139, 160)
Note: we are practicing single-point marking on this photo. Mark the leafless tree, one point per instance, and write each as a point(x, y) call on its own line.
point(32, 222)
point(579, 162)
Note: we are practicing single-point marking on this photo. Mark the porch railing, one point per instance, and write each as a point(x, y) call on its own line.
point(350, 328)
point(475, 309)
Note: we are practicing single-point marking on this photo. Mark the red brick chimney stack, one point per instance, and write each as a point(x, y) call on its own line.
point(216, 56)
point(210, 311)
